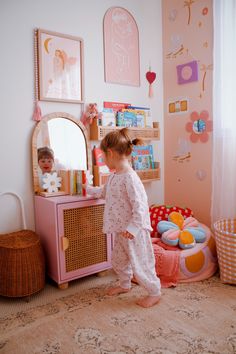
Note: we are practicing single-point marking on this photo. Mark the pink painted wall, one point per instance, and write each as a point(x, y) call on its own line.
point(188, 37)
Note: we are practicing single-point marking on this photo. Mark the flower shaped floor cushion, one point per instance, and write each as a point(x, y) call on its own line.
point(161, 212)
point(182, 232)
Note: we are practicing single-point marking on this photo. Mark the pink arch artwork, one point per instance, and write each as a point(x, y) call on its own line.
point(121, 47)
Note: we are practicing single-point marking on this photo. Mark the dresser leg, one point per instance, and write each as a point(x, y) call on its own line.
point(63, 286)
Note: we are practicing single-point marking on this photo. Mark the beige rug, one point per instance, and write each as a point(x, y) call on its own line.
point(191, 318)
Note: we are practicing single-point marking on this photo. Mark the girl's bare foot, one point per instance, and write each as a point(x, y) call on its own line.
point(116, 291)
point(149, 301)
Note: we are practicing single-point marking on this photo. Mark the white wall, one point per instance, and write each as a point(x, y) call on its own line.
point(82, 18)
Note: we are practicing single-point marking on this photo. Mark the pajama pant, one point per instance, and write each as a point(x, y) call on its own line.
point(136, 257)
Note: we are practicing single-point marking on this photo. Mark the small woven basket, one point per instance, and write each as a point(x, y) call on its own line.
point(22, 263)
point(225, 236)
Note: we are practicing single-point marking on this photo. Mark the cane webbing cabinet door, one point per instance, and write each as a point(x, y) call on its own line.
point(71, 232)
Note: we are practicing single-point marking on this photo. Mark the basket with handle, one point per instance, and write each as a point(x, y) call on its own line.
point(22, 263)
point(225, 235)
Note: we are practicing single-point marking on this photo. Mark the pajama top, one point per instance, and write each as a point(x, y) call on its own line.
point(126, 207)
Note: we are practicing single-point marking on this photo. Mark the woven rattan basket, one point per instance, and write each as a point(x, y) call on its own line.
point(225, 235)
point(22, 264)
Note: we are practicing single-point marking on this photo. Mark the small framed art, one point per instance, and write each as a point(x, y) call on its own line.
point(60, 67)
point(187, 72)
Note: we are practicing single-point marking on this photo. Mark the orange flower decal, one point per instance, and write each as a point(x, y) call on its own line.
point(199, 126)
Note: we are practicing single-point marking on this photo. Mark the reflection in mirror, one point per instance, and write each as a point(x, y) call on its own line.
point(199, 126)
point(66, 139)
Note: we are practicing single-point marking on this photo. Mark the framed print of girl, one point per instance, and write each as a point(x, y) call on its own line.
point(60, 65)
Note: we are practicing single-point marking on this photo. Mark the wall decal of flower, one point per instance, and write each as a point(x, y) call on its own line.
point(51, 182)
point(199, 126)
point(205, 11)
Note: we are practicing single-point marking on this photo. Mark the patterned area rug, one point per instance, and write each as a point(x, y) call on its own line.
point(191, 318)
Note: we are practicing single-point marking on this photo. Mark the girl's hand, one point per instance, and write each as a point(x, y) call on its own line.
point(126, 234)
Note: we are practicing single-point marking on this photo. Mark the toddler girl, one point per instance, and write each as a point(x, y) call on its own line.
point(126, 215)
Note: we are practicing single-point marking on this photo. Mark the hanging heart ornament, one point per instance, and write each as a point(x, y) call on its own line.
point(151, 77)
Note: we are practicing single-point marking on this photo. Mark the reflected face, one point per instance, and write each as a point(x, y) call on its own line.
point(46, 164)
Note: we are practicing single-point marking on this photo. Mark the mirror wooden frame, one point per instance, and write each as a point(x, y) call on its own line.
point(36, 131)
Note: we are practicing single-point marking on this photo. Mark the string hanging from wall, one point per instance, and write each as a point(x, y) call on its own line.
point(37, 114)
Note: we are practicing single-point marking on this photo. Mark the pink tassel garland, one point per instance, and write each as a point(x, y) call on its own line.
point(37, 115)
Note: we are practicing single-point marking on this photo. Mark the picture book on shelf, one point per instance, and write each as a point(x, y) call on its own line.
point(126, 119)
point(142, 157)
point(98, 156)
point(99, 161)
point(116, 106)
point(140, 117)
point(147, 113)
point(108, 117)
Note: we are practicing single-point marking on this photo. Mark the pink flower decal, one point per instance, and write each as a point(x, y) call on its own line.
point(199, 126)
point(205, 11)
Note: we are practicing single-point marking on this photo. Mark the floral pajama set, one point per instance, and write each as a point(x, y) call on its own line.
point(126, 209)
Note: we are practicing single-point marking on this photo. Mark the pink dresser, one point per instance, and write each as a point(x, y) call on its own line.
point(70, 229)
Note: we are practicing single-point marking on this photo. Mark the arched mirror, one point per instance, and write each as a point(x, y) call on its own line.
point(60, 144)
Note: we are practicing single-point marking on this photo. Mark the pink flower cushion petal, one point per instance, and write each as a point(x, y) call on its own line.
point(190, 222)
point(171, 237)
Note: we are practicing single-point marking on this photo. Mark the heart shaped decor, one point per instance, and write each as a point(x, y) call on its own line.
point(151, 77)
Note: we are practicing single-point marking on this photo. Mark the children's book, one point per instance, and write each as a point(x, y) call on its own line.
point(147, 112)
point(98, 156)
point(99, 161)
point(140, 116)
point(116, 106)
point(108, 117)
point(126, 119)
point(142, 157)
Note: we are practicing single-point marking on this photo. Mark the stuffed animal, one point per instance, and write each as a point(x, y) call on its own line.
point(90, 114)
point(162, 212)
point(177, 231)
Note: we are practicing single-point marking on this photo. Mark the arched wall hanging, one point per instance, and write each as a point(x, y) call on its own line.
point(121, 47)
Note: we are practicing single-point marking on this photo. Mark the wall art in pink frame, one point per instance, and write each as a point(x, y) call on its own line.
point(60, 66)
point(121, 47)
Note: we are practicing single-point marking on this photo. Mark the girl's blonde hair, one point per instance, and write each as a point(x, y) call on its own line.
point(119, 141)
